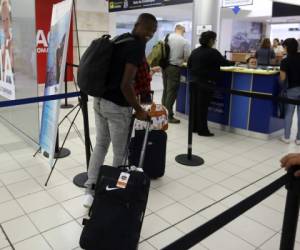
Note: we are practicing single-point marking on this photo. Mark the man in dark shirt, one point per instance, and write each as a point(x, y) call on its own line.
point(113, 111)
point(290, 74)
point(204, 67)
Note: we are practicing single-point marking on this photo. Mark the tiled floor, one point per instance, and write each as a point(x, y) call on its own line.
point(35, 217)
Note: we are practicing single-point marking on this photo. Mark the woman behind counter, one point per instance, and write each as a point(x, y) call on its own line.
point(204, 68)
point(265, 55)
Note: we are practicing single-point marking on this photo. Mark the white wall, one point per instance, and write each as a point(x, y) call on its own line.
point(260, 10)
point(225, 35)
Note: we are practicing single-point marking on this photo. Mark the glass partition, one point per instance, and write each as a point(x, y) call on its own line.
point(20, 43)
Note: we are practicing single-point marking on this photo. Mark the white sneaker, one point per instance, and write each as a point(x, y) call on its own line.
point(88, 200)
point(283, 139)
point(297, 141)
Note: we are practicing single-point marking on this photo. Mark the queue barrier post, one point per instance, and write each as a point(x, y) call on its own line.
point(291, 213)
point(189, 159)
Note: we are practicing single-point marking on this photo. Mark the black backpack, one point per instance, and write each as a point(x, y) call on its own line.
point(165, 60)
point(95, 65)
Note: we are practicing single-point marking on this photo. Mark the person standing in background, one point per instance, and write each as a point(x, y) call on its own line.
point(265, 55)
point(179, 53)
point(204, 68)
point(290, 76)
point(277, 47)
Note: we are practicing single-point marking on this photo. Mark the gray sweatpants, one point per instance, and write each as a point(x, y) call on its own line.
point(112, 125)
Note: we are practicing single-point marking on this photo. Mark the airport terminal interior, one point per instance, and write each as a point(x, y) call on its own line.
point(240, 159)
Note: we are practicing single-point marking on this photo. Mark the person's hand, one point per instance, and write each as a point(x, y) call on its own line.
point(156, 69)
point(291, 160)
point(142, 115)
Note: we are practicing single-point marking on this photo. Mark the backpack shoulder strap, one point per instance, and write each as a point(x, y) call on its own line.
point(117, 39)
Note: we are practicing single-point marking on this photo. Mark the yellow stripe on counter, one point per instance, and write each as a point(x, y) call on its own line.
point(249, 71)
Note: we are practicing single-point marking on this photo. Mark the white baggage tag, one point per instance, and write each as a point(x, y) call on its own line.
point(123, 180)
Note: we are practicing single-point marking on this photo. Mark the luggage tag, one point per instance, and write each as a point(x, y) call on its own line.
point(123, 180)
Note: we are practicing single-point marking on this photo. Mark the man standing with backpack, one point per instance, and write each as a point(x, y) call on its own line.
point(179, 53)
point(113, 111)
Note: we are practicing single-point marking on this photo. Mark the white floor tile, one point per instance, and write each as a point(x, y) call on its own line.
point(19, 229)
point(266, 216)
point(160, 181)
point(213, 211)
point(175, 172)
point(75, 207)
point(234, 183)
point(14, 176)
point(10, 210)
point(56, 179)
point(36, 201)
point(250, 231)
point(153, 224)
point(195, 182)
point(35, 243)
point(174, 213)
point(24, 188)
point(192, 223)
point(212, 174)
point(72, 172)
point(274, 243)
point(165, 238)
point(199, 246)
point(276, 202)
point(5, 195)
point(7, 166)
point(242, 161)
point(65, 192)
point(225, 241)
point(216, 192)
point(157, 200)
point(50, 217)
point(38, 170)
point(228, 168)
point(65, 237)
point(3, 241)
point(145, 246)
point(197, 202)
point(176, 190)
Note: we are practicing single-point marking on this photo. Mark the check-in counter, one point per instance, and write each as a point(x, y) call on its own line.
point(240, 114)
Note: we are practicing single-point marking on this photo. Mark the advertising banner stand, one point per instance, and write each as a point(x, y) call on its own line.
point(81, 178)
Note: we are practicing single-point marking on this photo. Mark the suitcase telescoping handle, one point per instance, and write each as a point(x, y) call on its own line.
point(144, 147)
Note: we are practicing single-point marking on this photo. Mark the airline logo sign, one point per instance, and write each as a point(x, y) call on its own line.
point(123, 5)
point(233, 3)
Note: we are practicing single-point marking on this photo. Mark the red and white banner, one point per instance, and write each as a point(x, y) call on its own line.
point(43, 21)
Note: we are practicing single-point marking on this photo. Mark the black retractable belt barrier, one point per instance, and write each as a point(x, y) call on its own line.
point(189, 159)
point(291, 213)
point(200, 233)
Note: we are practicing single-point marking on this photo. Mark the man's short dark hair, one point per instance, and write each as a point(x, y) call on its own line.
point(291, 45)
point(146, 19)
point(206, 37)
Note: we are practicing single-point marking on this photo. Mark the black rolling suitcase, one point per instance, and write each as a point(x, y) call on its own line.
point(117, 213)
point(155, 158)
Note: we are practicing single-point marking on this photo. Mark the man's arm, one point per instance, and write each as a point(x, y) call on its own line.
point(291, 160)
point(128, 91)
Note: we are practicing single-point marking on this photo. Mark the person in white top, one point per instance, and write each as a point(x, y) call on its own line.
point(179, 53)
point(278, 49)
